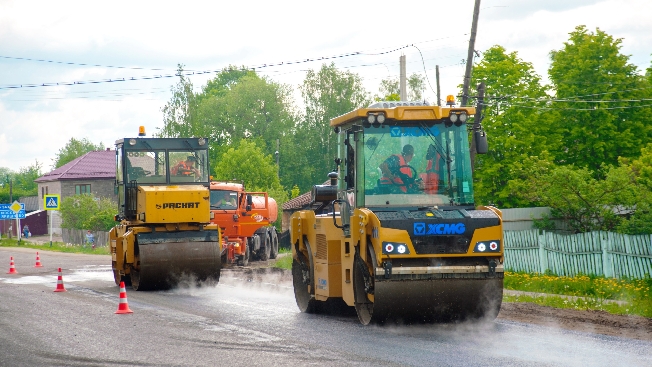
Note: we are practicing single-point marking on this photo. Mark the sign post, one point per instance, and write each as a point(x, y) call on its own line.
point(16, 207)
point(51, 202)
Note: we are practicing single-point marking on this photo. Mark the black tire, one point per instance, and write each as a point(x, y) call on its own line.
point(274, 252)
point(304, 293)
point(265, 246)
point(244, 260)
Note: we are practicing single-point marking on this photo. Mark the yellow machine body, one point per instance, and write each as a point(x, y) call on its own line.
point(164, 233)
point(414, 250)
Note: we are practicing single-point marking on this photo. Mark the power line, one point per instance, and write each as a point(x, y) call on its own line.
point(77, 64)
point(191, 73)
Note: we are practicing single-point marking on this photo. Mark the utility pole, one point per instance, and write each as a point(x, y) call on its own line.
point(477, 121)
point(469, 57)
point(437, 79)
point(402, 80)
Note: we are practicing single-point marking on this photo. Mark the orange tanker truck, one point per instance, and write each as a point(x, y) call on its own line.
point(246, 220)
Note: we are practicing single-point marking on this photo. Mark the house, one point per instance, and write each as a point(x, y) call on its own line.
point(92, 173)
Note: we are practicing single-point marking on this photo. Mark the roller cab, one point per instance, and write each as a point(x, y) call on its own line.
point(396, 234)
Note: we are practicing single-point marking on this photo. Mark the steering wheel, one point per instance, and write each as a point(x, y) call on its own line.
point(407, 180)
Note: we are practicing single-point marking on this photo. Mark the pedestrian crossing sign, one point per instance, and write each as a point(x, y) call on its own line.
point(51, 202)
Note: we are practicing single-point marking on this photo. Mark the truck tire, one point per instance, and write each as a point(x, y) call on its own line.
point(274, 252)
point(244, 260)
point(265, 246)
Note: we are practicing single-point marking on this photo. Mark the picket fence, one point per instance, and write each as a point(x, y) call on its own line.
point(606, 254)
point(78, 237)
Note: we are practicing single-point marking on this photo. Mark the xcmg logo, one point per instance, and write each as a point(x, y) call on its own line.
point(178, 206)
point(423, 229)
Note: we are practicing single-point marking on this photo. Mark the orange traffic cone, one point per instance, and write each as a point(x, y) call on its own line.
point(38, 261)
point(123, 307)
point(12, 267)
point(60, 287)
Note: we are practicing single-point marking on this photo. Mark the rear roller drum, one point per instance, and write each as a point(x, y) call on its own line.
point(364, 307)
point(303, 282)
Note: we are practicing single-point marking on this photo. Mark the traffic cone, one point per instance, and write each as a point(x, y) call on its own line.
point(123, 307)
point(38, 261)
point(12, 267)
point(60, 287)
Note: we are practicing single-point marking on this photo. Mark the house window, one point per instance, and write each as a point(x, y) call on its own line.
point(82, 189)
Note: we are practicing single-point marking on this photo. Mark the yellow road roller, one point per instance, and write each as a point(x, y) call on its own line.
point(396, 233)
point(164, 233)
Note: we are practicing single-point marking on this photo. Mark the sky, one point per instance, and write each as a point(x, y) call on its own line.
point(60, 61)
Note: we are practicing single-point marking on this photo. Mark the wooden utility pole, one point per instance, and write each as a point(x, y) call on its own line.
point(437, 77)
point(477, 120)
point(469, 57)
point(402, 81)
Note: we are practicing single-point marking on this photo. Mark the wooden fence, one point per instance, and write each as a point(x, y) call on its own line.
point(600, 253)
point(78, 237)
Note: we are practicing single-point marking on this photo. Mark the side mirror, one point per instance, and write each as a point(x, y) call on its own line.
point(481, 145)
point(250, 200)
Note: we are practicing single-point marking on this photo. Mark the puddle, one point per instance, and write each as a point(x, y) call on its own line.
point(86, 273)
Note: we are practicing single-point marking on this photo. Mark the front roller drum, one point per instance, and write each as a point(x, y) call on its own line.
point(165, 260)
point(428, 300)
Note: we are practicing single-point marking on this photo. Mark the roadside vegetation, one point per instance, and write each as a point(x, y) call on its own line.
point(56, 247)
point(583, 292)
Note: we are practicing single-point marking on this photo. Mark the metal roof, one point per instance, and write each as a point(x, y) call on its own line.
point(92, 165)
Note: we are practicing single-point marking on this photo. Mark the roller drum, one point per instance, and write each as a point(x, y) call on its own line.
point(432, 300)
point(165, 259)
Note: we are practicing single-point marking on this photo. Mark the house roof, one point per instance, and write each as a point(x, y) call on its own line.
point(92, 165)
point(300, 201)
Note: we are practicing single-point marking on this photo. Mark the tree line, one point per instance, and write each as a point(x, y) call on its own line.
point(579, 143)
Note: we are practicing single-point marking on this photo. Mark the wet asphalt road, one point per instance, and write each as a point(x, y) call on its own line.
point(248, 321)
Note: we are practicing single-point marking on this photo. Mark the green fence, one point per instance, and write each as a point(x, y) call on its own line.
point(601, 253)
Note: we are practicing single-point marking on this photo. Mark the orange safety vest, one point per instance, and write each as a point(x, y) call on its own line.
point(183, 165)
point(397, 180)
point(431, 177)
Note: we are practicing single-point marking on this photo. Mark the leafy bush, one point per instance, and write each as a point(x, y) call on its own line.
point(88, 212)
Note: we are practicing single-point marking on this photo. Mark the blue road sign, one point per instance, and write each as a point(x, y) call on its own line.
point(7, 213)
point(51, 202)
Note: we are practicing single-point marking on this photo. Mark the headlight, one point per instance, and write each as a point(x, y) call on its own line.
point(381, 118)
point(371, 118)
point(132, 141)
point(463, 117)
point(453, 117)
point(201, 141)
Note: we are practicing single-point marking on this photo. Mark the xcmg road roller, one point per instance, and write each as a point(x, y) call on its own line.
point(397, 234)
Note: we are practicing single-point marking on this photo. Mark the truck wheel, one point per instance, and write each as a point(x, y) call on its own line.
point(274, 252)
point(265, 246)
point(244, 260)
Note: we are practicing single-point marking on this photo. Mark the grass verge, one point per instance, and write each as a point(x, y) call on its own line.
point(587, 292)
point(56, 247)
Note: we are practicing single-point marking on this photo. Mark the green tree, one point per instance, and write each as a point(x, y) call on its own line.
point(236, 104)
point(516, 129)
point(390, 89)
point(178, 113)
point(248, 162)
point(24, 179)
point(326, 93)
point(87, 212)
point(574, 194)
point(599, 95)
point(73, 149)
